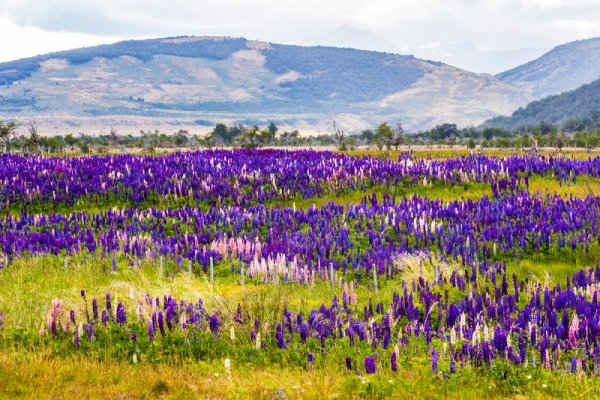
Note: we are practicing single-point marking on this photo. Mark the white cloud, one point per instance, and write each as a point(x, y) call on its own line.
point(487, 23)
point(25, 41)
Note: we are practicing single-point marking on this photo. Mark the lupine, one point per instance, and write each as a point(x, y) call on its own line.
point(214, 324)
point(151, 330)
point(434, 361)
point(108, 303)
point(370, 367)
point(121, 317)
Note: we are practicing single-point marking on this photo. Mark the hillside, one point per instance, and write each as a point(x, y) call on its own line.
point(191, 81)
point(582, 103)
point(563, 68)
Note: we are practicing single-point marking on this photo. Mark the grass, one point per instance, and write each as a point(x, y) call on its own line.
point(32, 367)
point(30, 284)
point(444, 152)
point(78, 377)
point(584, 186)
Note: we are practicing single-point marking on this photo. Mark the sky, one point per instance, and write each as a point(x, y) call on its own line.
point(30, 27)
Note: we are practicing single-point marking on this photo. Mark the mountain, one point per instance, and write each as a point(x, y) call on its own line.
point(352, 37)
point(582, 103)
point(563, 68)
point(191, 82)
point(467, 56)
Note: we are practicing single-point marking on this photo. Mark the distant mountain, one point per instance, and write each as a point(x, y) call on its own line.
point(351, 37)
point(582, 103)
point(467, 56)
point(564, 68)
point(197, 81)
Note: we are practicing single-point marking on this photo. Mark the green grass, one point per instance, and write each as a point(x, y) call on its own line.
point(31, 368)
point(82, 378)
point(444, 152)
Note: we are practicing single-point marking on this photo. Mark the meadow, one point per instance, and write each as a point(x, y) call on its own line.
point(300, 274)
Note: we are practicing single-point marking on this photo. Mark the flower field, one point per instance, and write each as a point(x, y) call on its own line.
point(299, 274)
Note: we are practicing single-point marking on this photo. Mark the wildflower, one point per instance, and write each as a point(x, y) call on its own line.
point(434, 361)
point(108, 303)
point(161, 323)
point(183, 320)
point(228, 366)
point(258, 341)
point(370, 367)
point(394, 362)
point(121, 317)
point(151, 330)
point(348, 363)
point(214, 323)
point(95, 309)
point(76, 340)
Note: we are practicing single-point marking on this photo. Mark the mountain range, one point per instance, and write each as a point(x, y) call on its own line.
point(193, 82)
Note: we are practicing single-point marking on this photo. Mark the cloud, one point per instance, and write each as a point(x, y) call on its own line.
point(488, 23)
point(26, 41)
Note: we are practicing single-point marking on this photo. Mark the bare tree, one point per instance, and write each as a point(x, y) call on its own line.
point(340, 137)
point(34, 136)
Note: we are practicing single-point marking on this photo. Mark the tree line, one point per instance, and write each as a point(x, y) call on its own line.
point(573, 133)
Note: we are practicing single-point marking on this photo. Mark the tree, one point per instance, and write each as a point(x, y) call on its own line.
point(34, 137)
point(71, 140)
point(181, 138)
point(384, 136)
point(340, 138)
point(114, 137)
point(272, 128)
point(252, 138)
point(398, 136)
point(7, 133)
point(367, 136)
point(444, 131)
point(220, 133)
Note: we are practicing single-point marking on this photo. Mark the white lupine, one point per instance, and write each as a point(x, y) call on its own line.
point(258, 341)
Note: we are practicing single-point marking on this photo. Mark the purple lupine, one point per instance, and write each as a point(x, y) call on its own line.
point(574, 364)
point(121, 317)
point(394, 362)
point(214, 323)
point(434, 361)
point(95, 309)
point(108, 303)
point(53, 329)
point(76, 339)
point(72, 316)
point(161, 323)
point(134, 337)
point(348, 363)
point(310, 358)
point(83, 293)
point(370, 367)
point(151, 330)
point(105, 317)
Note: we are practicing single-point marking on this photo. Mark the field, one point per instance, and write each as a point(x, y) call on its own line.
point(300, 274)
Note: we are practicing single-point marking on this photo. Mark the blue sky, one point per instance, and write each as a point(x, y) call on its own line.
point(29, 27)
